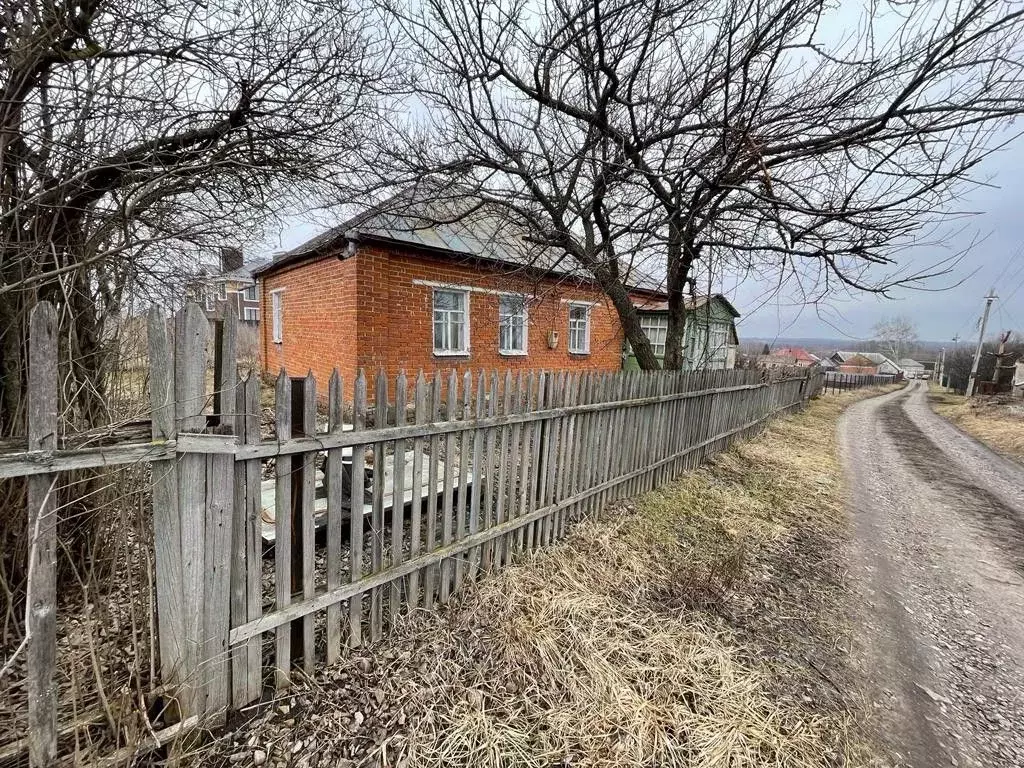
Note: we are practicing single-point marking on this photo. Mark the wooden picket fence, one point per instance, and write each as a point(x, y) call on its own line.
point(277, 553)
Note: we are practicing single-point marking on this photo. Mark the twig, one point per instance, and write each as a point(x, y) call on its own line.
point(824, 677)
point(10, 662)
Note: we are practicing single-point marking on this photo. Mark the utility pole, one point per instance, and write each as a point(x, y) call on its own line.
point(999, 358)
point(981, 338)
point(942, 366)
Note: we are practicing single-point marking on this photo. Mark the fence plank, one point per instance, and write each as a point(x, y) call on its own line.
point(380, 414)
point(166, 521)
point(462, 500)
point(512, 462)
point(239, 559)
point(448, 507)
point(283, 529)
point(41, 597)
point(526, 455)
point(501, 462)
point(190, 341)
point(481, 466)
point(225, 371)
point(432, 573)
point(416, 521)
point(335, 512)
point(355, 537)
point(217, 583)
point(398, 498)
point(254, 534)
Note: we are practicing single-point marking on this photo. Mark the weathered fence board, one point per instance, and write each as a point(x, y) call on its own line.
point(41, 598)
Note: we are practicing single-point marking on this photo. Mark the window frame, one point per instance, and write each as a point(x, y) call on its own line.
point(277, 316)
point(463, 349)
point(586, 307)
point(512, 352)
point(255, 312)
point(245, 293)
point(209, 299)
point(662, 325)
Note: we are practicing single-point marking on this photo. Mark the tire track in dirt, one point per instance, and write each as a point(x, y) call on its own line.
point(982, 508)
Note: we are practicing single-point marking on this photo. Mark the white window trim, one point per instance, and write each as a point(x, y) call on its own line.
point(245, 293)
point(209, 300)
point(526, 328)
point(586, 336)
point(433, 341)
point(255, 311)
point(277, 317)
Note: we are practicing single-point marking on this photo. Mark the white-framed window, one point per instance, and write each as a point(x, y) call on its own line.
point(222, 291)
point(249, 292)
point(451, 321)
point(579, 329)
point(512, 324)
point(209, 298)
point(655, 327)
point(277, 315)
point(251, 314)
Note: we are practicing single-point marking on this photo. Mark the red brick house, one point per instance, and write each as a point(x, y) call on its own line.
point(407, 293)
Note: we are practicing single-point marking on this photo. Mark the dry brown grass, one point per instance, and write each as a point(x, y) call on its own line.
point(603, 651)
point(996, 422)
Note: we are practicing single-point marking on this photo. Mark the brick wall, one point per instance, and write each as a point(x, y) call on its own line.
point(375, 310)
point(396, 317)
point(319, 314)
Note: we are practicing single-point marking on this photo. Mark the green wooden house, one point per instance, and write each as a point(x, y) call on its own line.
point(709, 340)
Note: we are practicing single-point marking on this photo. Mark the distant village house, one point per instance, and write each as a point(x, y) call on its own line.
point(230, 289)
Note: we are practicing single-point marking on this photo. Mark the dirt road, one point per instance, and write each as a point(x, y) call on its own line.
point(938, 562)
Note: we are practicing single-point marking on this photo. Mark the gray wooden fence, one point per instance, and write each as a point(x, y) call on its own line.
point(280, 546)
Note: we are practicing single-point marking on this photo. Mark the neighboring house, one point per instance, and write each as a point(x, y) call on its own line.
point(912, 369)
point(1018, 379)
point(709, 336)
point(788, 357)
point(232, 289)
point(865, 363)
point(418, 287)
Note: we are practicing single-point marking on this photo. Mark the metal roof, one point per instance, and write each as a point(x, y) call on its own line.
point(454, 226)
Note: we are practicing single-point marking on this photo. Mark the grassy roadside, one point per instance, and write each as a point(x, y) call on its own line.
point(994, 422)
point(695, 626)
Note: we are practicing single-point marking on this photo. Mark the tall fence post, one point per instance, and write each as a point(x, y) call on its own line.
point(41, 598)
point(190, 341)
point(219, 518)
point(170, 594)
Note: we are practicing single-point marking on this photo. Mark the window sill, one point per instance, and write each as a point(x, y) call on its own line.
point(579, 353)
point(451, 354)
point(513, 353)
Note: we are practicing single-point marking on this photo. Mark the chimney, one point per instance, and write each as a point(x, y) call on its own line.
point(230, 258)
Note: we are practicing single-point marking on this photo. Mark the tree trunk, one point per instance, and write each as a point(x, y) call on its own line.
point(680, 257)
point(83, 405)
point(629, 319)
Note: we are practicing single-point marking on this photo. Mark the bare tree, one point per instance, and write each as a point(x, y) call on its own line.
point(895, 336)
point(134, 135)
point(671, 134)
